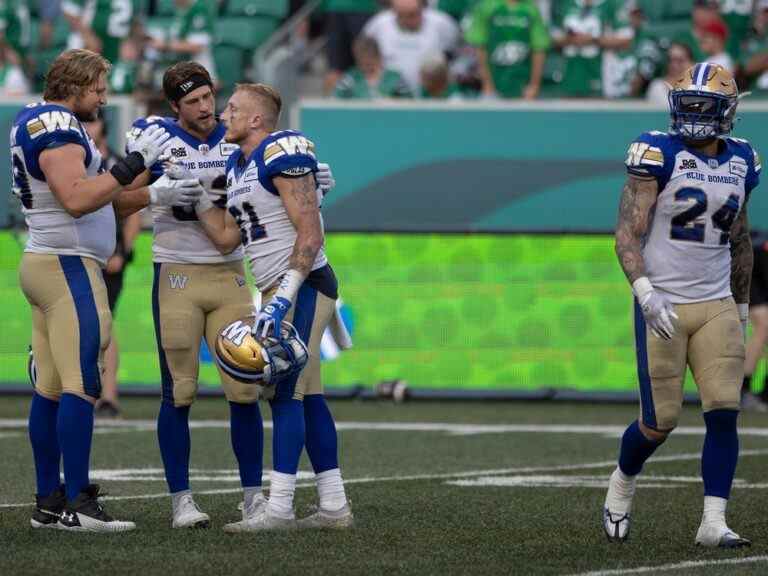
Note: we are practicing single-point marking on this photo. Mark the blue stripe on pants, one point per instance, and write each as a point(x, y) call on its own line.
point(643, 375)
point(303, 317)
point(88, 321)
point(165, 374)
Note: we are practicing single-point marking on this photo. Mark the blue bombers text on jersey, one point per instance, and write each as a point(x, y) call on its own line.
point(687, 248)
point(178, 235)
point(253, 200)
point(52, 230)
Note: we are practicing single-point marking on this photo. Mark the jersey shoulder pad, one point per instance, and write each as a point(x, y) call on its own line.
point(289, 153)
point(747, 152)
point(141, 124)
point(649, 153)
point(49, 125)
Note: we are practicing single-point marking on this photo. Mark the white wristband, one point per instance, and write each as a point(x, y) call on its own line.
point(642, 287)
point(289, 285)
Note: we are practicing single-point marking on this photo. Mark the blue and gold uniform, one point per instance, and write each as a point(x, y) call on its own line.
point(60, 270)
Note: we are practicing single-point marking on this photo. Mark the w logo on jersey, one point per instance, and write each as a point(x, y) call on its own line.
point(49, 122)
point(178, 281)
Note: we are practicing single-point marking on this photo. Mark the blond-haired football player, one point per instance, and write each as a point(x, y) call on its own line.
point(682, 240)
point(273, 210)
point(67, 203)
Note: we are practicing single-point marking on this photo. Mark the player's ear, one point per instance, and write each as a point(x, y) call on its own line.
point(174, 107)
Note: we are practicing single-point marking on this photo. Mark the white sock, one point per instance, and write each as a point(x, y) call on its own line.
point(714, 510)
point(251, 496)
point(281, 490)
point(330, 490)
point(621, 490)
point(176, 499)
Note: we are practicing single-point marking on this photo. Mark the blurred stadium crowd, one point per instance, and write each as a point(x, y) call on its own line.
point(448, 49)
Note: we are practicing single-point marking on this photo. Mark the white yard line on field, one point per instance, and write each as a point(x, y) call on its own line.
point(677, 566)
point(443, 427)
point(442, 476)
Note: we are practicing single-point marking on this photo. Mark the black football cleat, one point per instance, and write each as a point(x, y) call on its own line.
point(86, 514)
point(48, 509)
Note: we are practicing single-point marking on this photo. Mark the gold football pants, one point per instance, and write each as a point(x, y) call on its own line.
point(708, 338)
point(191, 302)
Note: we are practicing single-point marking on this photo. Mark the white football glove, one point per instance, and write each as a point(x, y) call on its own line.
point(175, 169)
point(657, 310)
point(168, 192)
point(151, 143)
point(325, 178)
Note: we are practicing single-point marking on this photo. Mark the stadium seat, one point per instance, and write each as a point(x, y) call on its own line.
point(274, 8)
point(229, 65)
point(246, 33)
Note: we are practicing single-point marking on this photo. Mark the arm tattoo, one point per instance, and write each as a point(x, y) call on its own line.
point(304, 193)
point(741, 258)
point(635, 212)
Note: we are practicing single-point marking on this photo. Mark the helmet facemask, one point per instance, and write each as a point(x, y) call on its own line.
point(700, 116)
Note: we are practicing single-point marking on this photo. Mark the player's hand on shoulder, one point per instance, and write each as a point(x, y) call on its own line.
point(271, 317)
point(657, 309)
point(169, 192)
point(325, 178)
point(151, 143)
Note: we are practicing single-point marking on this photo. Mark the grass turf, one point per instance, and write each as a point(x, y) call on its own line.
point(422, 525)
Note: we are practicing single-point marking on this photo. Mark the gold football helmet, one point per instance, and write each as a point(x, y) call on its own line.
point(702, 102)
point(251, 359)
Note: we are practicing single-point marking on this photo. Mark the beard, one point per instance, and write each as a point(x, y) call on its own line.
point(87, 115)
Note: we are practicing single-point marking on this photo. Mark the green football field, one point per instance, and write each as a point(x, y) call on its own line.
point(436, 488)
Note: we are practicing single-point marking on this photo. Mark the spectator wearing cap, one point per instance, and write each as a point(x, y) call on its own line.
point(409, 32)
point(679, 59)
point(713, 35)
point(344, 20)
point(369, 78)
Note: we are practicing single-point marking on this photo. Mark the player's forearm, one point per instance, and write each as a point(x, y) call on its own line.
point(305, 250)
point(741, 260)
point(131, 201)
point(89, 194)
point(225, 235)
point(637, 200)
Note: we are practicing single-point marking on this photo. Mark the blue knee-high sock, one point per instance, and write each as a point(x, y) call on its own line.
point(43, 416)
point(721, 452)
point(635, 450)
point(287, 434)
point(75, 430)
point(247, 435)
point(320, 434)
point(173, 437)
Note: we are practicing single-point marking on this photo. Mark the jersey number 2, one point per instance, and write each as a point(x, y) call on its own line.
point(256, 229)
point(684, 225)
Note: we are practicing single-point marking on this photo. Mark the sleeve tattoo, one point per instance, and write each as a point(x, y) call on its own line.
point(741, 258)
point(304, 195)
point(638, 199)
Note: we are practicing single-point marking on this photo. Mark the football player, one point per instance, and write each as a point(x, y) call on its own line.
point(683, 242)
point(197, 291)
point(273, 210)
point(67, 203)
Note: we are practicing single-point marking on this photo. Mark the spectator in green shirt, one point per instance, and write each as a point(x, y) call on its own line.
point(589, 27)
point(755, 53)
point(511, 42)
point(344, 20)
point(369, 79)
point(737, 15)
point(99, 25)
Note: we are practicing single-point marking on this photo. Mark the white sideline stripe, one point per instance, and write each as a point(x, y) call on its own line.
point(446, 475)
point(447, 427)
point(678, 566)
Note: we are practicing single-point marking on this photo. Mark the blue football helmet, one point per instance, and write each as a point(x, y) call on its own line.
point(251, 359)
point(703, 102)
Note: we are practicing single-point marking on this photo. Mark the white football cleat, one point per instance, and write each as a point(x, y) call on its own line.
point(718, 535)
point(260, 517)
point(618, 507)
point(338, 519)
point(188, 515)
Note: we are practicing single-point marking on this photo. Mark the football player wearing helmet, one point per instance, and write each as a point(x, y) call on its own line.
point(67, 203)
point(683, 242)
point(273, 210)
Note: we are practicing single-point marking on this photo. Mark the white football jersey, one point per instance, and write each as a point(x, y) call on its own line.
point(253, 200)
point(52, 230)
point(178, 235)
point(687, 249)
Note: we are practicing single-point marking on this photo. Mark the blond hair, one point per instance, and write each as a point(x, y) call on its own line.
point(269, 99)
point(73, 72)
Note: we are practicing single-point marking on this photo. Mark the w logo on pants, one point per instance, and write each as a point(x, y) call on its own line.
point(178, 281)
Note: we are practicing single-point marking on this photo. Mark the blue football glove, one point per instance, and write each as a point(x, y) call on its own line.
point(271, 317)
